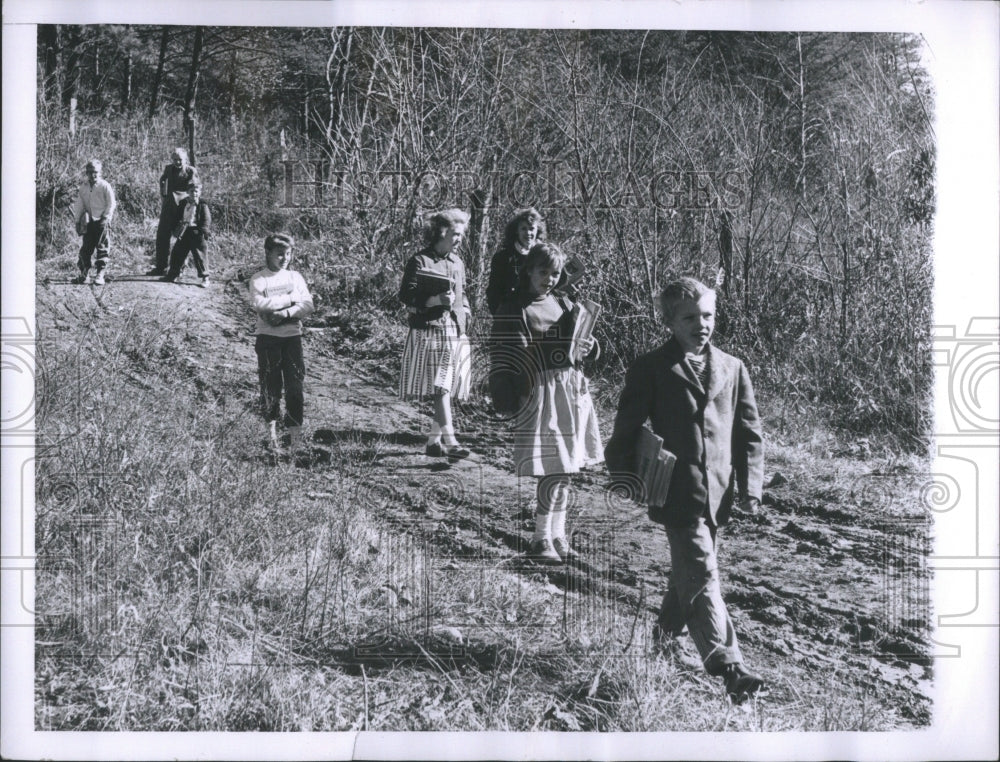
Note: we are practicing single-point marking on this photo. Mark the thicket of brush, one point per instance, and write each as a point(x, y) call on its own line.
point(793, 170)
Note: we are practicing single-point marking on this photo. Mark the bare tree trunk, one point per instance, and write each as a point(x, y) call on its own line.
point(158, 78)
point(726, 249)
point(192, 90)
point(479, 225)
point(337, 84)
point(233, 65)
point(802, 119)
point(48, 40)
point(71, 84)
point(127, 83)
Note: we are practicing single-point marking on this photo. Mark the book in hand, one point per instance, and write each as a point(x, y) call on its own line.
point(431, 283)
point(585, 314)
point(654, 467)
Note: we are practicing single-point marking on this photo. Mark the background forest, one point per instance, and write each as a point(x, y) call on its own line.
point(186, 578)
point(794, 171)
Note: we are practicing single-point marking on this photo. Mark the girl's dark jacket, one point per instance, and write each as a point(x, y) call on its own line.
point(516, 361)
point(415, 297)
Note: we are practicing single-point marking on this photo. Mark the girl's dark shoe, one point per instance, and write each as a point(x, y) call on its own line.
point(741, 684)
point(456, 452)
point(562, 547)
point(543, 552)
point(453, 453)
point(435, 450)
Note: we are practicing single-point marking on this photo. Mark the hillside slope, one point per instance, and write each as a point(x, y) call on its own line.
point(826, 587)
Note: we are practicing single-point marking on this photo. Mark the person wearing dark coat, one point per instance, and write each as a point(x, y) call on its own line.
point(701, 402)
point(523, 230)
point(175, 184)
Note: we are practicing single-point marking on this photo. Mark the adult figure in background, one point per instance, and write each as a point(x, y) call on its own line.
point(525, 228)
point(175, 185)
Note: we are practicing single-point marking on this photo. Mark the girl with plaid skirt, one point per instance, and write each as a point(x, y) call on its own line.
point(436, 356)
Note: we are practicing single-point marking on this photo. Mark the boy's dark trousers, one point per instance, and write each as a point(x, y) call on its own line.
point(694, 596)
point(191, 242)
point(96, 238)
point(280, 363)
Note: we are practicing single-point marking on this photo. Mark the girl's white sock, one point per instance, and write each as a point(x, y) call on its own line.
point(559, 524)
point(448, 436)
point(543, 526)
point(435, 433)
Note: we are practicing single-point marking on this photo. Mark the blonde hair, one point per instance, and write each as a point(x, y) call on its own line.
point(441, 221)
point(679, 290)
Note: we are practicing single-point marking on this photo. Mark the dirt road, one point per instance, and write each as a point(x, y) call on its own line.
point(828, 584)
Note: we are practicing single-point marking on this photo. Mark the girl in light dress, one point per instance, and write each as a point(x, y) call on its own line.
point(536, 378)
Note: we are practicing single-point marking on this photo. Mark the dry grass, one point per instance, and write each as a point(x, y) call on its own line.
point(189, 581)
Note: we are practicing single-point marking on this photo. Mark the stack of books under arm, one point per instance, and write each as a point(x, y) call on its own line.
point(585, 314)
point(653, 466)
point(432, 283)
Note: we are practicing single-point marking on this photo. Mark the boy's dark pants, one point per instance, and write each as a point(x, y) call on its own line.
point(97, 238)
point(193, 243)
point(280, 363)
point(694, 596)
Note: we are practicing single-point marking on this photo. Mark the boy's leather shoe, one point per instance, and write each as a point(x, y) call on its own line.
point(741, 684)
point(99, 278)
point(435, 450)
point(543, 552)
point(562, 547)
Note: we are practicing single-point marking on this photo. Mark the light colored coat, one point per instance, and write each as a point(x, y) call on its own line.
point(715, 432)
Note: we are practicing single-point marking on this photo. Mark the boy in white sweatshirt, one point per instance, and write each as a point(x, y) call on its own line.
point(280, 298)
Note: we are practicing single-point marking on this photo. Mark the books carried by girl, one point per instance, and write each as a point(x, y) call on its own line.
point(585, 314)
point(431, 283)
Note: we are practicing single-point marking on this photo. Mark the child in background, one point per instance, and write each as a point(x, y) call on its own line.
point(700, 400)
point(281, 299)
point(175, 184)
point(93, 210)
point(192, 233)
point(537, 377)
point(525, 227)
point(436, 355)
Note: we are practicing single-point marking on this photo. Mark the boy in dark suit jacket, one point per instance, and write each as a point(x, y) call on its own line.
point(700, 400)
